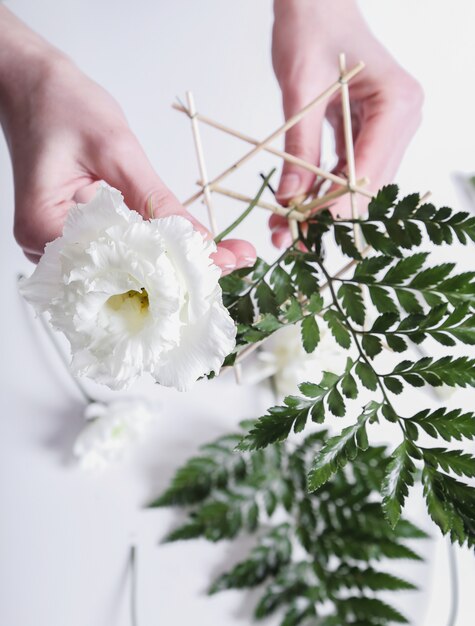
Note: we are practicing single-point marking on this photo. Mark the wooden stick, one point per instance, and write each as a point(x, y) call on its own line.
point(425, 197)
point(286, 156)
point(282, 129)
point(293, 228)
point(332, 195)
point(264, 205)
point(349, 148)
point(201, 162)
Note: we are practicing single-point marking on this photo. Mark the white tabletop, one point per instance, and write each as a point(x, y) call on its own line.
point(65, 534)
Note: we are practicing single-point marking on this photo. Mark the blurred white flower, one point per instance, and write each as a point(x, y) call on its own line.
point(133, 296)
point(283, 357)
point(111, 432)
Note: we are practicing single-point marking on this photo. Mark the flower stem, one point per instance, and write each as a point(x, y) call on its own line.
point(245, 213)
point(453, 584)
point(133, 585)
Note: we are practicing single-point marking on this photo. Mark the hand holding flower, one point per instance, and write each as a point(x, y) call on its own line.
point(65, 133)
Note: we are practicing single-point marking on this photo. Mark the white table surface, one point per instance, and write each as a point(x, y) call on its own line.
point(64, 534)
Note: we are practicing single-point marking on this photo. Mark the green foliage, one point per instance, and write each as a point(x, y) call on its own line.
point(342, 448)
point(416, 300)
point(314, 554)
point(398, 479)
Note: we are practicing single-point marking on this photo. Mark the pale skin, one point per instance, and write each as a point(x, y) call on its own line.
point(65, 132)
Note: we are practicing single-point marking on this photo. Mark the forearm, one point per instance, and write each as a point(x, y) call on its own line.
point(24, 59)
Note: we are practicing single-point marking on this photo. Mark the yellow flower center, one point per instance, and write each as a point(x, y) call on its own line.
point(132, 307)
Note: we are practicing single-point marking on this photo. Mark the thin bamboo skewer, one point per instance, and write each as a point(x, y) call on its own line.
point(349, 148)
point(332, 195)
point(264, 205)
point(286, 156)
point(425, 197)
point(293, 228)
point(282, 129)
point(201, 163)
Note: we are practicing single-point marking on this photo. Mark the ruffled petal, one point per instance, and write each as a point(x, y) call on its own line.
point(202, 350)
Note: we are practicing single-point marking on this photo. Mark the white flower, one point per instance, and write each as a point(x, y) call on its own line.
point(283, 357)
point(133, 296)
point(112, 430)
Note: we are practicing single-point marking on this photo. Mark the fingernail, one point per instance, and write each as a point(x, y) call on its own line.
point(248, 261)
point(228, 268)
point(290, 185)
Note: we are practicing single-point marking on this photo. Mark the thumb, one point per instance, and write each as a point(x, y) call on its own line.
point(143, 190)
point(303, 141)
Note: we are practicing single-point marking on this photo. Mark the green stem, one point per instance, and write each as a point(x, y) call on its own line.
point(133, 585)
point(243, 215)
point(354, 334)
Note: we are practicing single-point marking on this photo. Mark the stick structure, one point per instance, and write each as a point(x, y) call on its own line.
point(300, 210)
point(330, 91)
point(286, 156)
point(201, 162)
point(332, 195)
point(349, 148)
point(300, 217)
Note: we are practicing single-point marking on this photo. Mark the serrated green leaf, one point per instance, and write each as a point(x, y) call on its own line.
point(351, 298)
point(398, 479)
point(265, 299)
point(345, 239)
point(381, 300)
point(282, 284)
point(336, 453)
point(457, 461)
point(310, 333)
point(337, 328)
point(371, 345)
point(367, 375)
point(349, 387)
point(445, 423)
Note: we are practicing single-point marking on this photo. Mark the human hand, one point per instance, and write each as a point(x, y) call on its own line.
point(65, 134)
point(386, 101)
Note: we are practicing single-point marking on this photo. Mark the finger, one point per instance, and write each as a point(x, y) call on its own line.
point(277, 221)
point(281, 237)
point(243, 251)
point(303, 141)
point(86, 193)
point(34, 258)
point(127, 168)
point(38, 221)
point(224, 259)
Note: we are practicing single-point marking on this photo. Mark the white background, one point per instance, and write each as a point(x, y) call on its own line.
point(64, 535)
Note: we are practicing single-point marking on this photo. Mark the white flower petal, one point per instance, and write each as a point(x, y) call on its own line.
point(133, 296)
point(202, 349)
point(43, 287)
